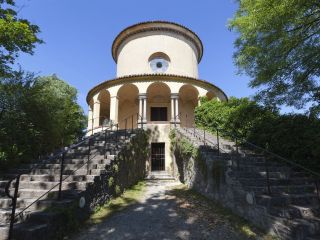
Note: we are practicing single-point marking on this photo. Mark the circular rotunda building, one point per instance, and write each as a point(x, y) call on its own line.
point(157, 86)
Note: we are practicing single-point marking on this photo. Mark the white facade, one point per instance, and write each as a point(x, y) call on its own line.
point(157, 83)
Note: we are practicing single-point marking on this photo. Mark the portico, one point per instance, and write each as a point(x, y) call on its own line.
point(157, 85)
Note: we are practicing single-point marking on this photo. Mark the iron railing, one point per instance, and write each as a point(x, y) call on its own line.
point(90, 141)
point(243, 148)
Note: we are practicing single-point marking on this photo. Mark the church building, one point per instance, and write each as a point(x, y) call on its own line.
point(157, 86)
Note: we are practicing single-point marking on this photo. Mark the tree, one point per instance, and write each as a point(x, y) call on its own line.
point(294, 136)
point(16, 35)
point(37, 116)
point(279, 47)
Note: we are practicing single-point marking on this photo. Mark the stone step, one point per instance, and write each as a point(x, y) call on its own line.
point(248, 168)
point(5, 215)
point(159, 175)
point(3, 183)
point(48, 185)
point(287, 199)
point(313, 237)
point(30, 231)
point(56, 178)
point(279, 189)
point(70, 166)
point(53, 194)
point(4, 230)
point(25, 202)
point(263, 174)
point(294, 211)
point(298, 229)
point(276, 181)
point(81, 171)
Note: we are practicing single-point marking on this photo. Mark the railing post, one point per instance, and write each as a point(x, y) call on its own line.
point(61, 173)
point(194, 131)
point(125, 128)
point(132, 122)
point(92, 126)
point(267, 174)
point(141, 122)
point(237, 151)
point(218, 142)
point(105, 143)
point(88, 160)
point(14, 204)
point(117, 132)
point(317, 187)
point(204, 136)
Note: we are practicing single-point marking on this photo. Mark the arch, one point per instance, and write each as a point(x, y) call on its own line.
point(159, 55)
point(211, 95)
point(159, 95)
point(104, 99)
point(188, 100)
point(128, 105)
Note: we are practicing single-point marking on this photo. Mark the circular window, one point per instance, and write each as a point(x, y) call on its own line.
point(159, 62)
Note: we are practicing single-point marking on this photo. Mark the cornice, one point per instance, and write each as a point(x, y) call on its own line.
point(148, 78)
point(152, 26)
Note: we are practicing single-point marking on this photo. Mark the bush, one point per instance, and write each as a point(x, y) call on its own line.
point(293, 136)
point(37, 116)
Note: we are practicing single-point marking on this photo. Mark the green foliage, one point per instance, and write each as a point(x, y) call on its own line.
point(279, 47)
point(16, 35)
point(110, 182)
point(294, 136)
point(37, 116)
point(185, 151)
point(235, 117)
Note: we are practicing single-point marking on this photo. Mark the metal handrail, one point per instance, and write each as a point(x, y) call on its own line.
point(266, 151)
point(92, 123)
point(17, 178)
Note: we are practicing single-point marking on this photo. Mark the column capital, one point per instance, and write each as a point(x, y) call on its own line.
point(174, 95)
point(114, 96)
point(142, 95)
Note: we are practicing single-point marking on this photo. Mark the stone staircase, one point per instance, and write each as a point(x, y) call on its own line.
point(37, 179)
point(160, 175)
point(291, 211)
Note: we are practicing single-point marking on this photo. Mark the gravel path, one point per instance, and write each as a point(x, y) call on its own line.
point(159, 215)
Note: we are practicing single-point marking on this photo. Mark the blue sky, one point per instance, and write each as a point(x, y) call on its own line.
point(78, 36)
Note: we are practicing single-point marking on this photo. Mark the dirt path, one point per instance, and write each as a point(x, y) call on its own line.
point(164, 212)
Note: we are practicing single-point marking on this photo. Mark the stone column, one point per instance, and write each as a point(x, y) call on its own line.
point(114, 105)
point(96, 114)
point(140, 113)
point(144, 108)
point(175, 111)
point(172, 109)
point(199, 101)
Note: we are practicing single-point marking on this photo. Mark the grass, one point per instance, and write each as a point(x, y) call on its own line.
point(193, 203)
point(129, 197)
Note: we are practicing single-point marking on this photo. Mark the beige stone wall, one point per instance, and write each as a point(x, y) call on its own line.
point(134, 54)
point(160, 134)
point(124, 101)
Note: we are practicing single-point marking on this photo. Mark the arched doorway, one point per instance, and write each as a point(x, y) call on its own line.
point(158, 103)
point(104, 99)
point(128, 106)
point(188, 100)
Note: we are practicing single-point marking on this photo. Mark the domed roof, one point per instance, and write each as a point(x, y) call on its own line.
point(152, 26)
